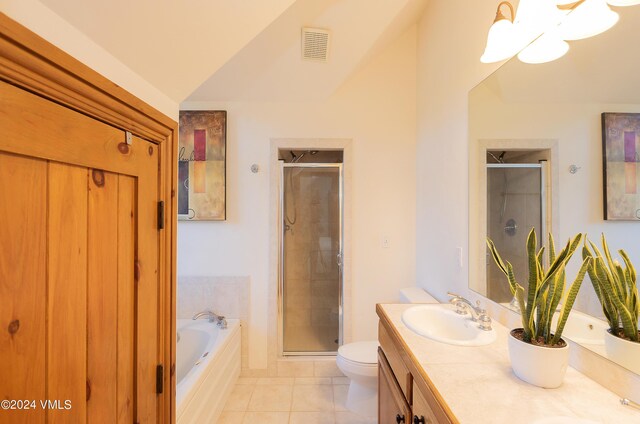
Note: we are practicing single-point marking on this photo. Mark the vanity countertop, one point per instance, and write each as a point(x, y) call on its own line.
point(478, 385)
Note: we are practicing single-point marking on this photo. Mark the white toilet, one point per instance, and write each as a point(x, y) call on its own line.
point(359, 362)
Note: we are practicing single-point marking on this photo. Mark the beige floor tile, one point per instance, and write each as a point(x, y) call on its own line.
point(239, 398)
point(271, 398)
point(266, 418)
point(326, 369)
point(312, 418)
point(295, 368)
point(340, 397)
point(312, 398)
point(346, 417)
point(230, 417)
point(274, 381)
point(340, 380)
point(313, 380)
point(246, 380)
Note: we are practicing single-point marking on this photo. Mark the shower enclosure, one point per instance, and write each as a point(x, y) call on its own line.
point(516, 202)
point(310, 289)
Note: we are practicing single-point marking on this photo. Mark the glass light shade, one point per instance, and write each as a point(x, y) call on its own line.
point(623, 2)
point(591, 18)
point(500, 42)
point(538, 15)
point(547, 48)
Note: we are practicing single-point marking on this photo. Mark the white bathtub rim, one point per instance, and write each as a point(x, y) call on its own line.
point(191, 382)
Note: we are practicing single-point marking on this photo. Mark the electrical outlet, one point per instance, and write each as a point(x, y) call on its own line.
point(385, 242)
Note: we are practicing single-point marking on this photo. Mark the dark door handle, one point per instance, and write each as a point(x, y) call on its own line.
point(417, 420)
point(399, 418)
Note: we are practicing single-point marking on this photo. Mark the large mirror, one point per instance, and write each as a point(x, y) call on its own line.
point(536, 160)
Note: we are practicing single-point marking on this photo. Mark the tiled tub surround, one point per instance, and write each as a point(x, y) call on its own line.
point(478, 385)
point(228, 296)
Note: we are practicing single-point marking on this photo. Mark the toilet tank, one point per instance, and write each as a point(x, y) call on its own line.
point(416, 295)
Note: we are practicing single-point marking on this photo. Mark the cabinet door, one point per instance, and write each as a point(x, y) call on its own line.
point(425, 412)
point(79, 259)
point(392, 406)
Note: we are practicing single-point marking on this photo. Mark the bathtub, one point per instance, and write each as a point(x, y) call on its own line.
point(207, 368)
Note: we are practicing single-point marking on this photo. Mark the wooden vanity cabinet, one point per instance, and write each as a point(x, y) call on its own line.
point(392, 405)
point(405, 393)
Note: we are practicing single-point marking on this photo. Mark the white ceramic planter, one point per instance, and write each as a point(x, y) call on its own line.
point(623, 352)
point(540, 366)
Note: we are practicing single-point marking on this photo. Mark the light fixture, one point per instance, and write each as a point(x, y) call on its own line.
point(546, 48)
point(540, 28)
point(591, 18)
point(500, 40)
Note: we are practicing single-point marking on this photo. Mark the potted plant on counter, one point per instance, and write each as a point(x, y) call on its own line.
point(538, 353)
point(617, 291)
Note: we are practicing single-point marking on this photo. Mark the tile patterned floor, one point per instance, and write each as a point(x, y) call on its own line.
point(290, 400)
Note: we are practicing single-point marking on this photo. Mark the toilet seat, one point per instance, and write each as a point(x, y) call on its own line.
point(361, 353)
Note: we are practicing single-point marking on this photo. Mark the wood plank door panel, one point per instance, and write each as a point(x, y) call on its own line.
point(126, 299)
point(23, 284)
point(102, 296)
point(67, 292)
point(80, 252)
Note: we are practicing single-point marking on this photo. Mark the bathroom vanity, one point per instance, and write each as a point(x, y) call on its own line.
point(429, 382)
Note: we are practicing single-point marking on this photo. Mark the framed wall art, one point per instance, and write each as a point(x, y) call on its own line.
point(621, 160)
point(202, 165)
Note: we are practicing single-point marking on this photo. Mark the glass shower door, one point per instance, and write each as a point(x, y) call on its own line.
point(311, 277)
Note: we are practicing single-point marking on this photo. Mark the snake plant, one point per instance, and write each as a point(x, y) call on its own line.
point(616, 289)
point(546, 289)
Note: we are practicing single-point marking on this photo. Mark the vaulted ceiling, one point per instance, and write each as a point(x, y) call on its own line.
point(201, 50)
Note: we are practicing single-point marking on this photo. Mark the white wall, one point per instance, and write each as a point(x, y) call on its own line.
point(376, 108)
point(451, 38)
point(41, 20)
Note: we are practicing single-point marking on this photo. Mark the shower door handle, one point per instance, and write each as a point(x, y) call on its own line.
point(339, 259)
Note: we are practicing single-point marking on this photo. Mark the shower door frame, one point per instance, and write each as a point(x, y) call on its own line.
point(339, 258)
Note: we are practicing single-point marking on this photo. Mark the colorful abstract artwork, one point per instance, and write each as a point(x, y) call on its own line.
point(201, 165)
point(621, 148)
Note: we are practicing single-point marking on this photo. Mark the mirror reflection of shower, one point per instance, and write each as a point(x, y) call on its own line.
point(517, 200)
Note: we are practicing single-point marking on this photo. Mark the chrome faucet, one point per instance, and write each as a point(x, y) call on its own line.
point(213, 317)
point(478, 314)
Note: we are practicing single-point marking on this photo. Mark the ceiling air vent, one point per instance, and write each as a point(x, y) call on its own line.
point(315, 44)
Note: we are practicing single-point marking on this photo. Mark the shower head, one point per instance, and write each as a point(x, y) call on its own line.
point(499, 159)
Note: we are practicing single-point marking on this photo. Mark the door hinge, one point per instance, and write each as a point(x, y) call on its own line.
point(159, 379)
point(160, 215)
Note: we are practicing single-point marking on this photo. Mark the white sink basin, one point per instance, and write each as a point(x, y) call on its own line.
point(443, 324)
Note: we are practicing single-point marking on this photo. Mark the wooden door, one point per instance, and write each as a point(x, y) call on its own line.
point(80, 285)
point(392, 406)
